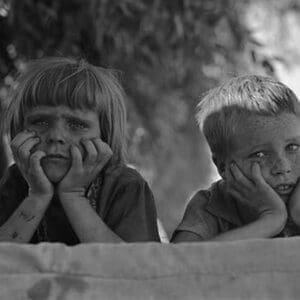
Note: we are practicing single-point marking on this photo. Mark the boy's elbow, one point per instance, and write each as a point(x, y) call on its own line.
point(185, 237)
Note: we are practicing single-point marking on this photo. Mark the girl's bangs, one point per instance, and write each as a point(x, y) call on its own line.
point(76, 89)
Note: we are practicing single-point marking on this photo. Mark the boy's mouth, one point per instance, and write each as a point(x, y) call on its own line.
point(284, 189)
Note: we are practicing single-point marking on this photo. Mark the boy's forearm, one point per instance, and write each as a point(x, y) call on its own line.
point(88, 226)
point(267, 226)
point(22, 224)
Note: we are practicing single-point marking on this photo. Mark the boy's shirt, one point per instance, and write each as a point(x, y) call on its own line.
point(120, 195)
point(212, 212)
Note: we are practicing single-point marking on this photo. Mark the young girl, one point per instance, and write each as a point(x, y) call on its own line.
point(69, 183)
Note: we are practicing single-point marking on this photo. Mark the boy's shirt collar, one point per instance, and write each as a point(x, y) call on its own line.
point(224, 206)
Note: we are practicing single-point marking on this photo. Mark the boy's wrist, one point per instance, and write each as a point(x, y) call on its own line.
point(295, 216)
point(274, 207)
point(275, 219)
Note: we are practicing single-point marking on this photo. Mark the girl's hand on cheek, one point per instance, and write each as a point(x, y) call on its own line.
point(84, 170)
point(29, 163)
point(254, 191)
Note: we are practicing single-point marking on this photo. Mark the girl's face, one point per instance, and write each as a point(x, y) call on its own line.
point(273, 142)
point(58, 128)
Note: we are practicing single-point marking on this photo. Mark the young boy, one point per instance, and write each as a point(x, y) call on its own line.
point(70, 183)
point(252, 125)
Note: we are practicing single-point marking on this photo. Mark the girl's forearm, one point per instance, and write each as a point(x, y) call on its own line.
point(22, 224)
point(88, 226)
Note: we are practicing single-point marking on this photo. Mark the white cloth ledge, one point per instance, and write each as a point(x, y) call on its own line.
point(257, 269)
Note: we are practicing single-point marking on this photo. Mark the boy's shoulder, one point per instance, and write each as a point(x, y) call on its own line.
point(216, 202)
point(203, 197)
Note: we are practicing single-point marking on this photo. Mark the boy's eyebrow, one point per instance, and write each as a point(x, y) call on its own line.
point(290, 139)
point(297, 137)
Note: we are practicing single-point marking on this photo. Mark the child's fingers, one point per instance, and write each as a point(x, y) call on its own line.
point(35, 161)
point(19, 140)
point(103, 150)
point(235, 193)
point(239, 176)
point(230, 181)
point(76, 158)
point(24, 150)
point(91, 152)
point(256, 173)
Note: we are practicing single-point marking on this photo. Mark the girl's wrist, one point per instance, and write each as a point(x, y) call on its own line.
point(74, 195)
point(40, 196)
point(39, 201)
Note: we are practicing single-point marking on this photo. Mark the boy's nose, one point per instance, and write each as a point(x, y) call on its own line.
point(281, 166)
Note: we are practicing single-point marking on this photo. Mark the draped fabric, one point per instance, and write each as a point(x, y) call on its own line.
point(254, 269)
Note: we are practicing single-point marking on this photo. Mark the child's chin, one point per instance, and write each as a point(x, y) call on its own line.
point(55, 173)
point(55, 176)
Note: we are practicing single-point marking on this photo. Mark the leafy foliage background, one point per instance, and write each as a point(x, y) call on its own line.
point(168, 52)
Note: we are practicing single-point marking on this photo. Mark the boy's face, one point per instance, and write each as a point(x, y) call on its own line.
point(58, 128)
point(273, 142)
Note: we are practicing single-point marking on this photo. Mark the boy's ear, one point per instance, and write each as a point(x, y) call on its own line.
point(220, 164)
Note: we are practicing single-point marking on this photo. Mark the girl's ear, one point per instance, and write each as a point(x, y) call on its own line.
point(220, 164)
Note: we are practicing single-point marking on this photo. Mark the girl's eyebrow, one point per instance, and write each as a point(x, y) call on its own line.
point(77, 119)
point(40, 115)
point(53, 117)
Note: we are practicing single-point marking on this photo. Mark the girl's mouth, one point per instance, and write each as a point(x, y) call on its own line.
point(55, 158)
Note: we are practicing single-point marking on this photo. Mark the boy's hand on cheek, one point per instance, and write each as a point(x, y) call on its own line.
point(29, 163)
point(294, 204)
point(255, 191)
point(83, 170)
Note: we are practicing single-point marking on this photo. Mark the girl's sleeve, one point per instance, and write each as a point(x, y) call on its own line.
point(12, 192)
point(133, 214)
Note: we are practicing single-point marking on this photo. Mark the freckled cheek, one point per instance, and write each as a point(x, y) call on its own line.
point(295, 165)
point(246, 167)
point(266, 168)
point(268, 165)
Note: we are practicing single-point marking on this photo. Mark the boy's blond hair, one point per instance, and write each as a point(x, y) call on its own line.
point(74, 83)
point(222, 110)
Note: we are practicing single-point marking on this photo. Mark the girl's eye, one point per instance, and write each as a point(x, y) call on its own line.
point(77, 125)
point(292, 147)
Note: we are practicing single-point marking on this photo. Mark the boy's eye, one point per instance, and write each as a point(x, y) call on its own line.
point(42, 123)
point(292, 147)
point(258, 154)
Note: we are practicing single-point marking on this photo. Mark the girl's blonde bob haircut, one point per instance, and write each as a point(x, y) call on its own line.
point(74, 83)
point(222, 110)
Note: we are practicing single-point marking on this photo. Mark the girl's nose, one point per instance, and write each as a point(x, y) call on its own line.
point(281, 166)
point(55, 135)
